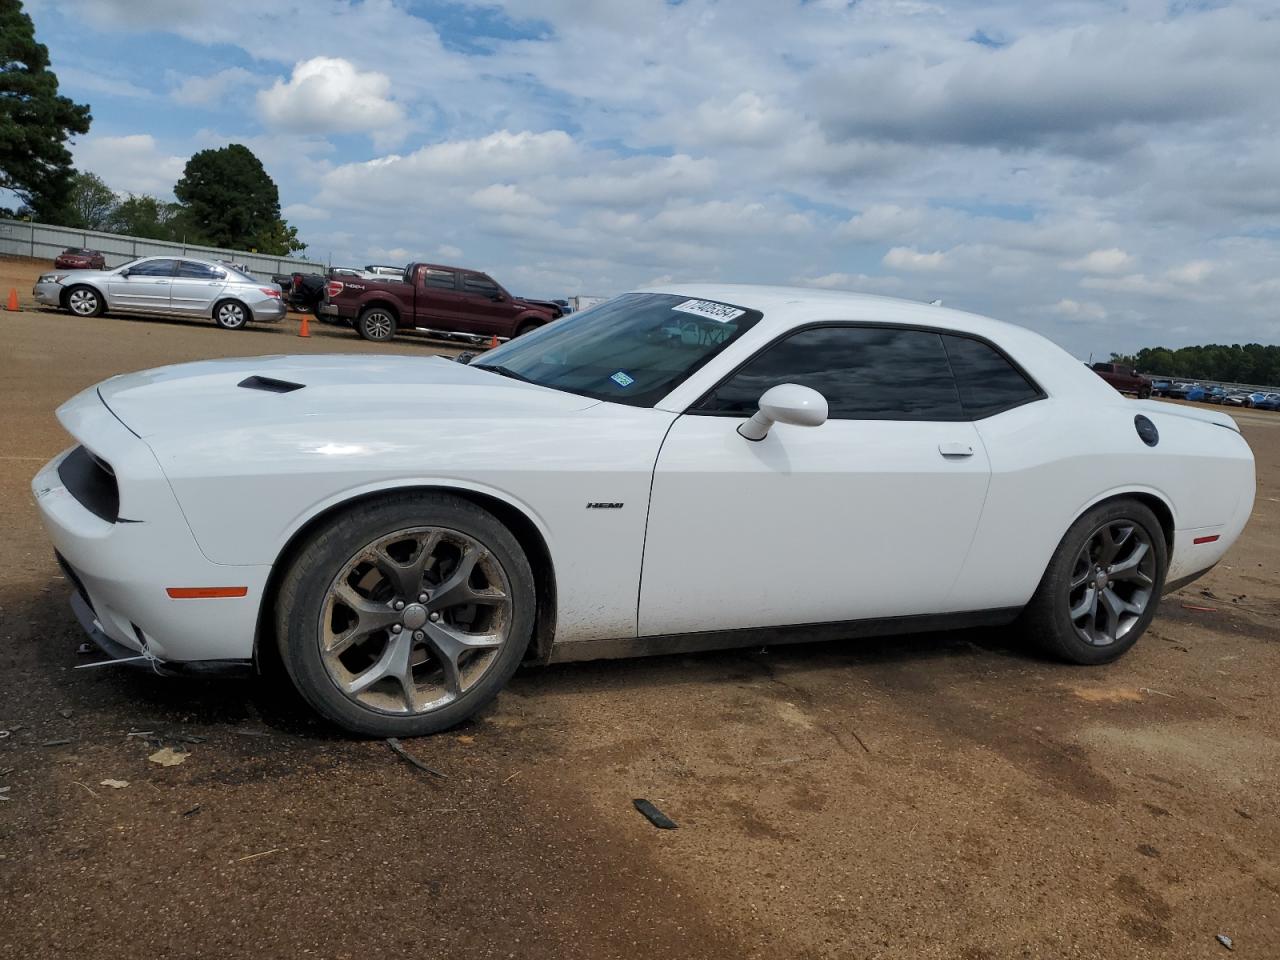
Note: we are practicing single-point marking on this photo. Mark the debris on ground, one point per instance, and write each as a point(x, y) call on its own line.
point(1226, 941)
point(1198, 609)
point(55, 743)
point(115, 784)
point(84, 649)
point(3, 791)
point(192, 812)
point(253, 733)
point(66, 713)
point(654, 815)
point(404, 754)
point(168, 757)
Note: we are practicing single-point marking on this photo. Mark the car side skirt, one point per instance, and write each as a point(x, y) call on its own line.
point(665, 644)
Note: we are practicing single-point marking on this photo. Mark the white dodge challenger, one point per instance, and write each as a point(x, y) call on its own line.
point(677, 469)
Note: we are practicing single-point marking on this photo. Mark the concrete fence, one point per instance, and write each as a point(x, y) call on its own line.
point(20, 238)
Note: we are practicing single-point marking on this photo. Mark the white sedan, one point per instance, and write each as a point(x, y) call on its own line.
point(677, 469)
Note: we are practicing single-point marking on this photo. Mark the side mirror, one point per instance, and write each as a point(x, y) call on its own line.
point(124, 273)
point(786, 403)
point(496, 297)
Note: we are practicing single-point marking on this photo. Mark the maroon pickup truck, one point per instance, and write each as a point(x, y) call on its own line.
point(1125, 379)
point(433, 299)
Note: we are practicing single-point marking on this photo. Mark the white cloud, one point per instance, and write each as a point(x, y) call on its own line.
point(1193, 272)
point(203, 91)
point(1110, 260)
point(134, 163)
point(304, 211)
point(908, 258)
point(329, 95)
point(449, 251)
point(882, 221)
point(507, 198)
point(858, 282)
point(1077, 310)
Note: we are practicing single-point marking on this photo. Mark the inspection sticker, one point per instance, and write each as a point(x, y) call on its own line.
point(622, 380)
point(710, 309)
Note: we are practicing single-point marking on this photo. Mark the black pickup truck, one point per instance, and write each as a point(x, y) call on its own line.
point(432, 298)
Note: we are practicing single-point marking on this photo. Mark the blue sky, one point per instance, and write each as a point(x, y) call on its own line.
point(1103, 172)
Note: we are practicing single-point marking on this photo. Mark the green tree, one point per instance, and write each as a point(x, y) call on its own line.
point(91, 204)
point(145, 216)
point(231, 201)
point(35, 122)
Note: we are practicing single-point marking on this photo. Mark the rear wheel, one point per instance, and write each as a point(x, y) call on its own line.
point(231, 315)
point(405, 616)
point(1102, 587)
point(376, 324)
point(84, 301)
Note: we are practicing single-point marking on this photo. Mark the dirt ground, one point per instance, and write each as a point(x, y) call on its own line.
point(935, 796)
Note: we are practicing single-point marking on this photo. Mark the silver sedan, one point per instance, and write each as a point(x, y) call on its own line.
point(165, 286)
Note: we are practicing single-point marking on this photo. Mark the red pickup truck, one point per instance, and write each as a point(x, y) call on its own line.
point(1125, 379)
point(433, 299)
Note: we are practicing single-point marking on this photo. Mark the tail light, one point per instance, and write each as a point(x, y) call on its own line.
point(332, 288)
point(271, 292)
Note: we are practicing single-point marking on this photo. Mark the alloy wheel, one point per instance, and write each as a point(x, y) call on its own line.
point(231, 316)
point(377, 325)
point(414, 620)
point(83, 302)
point(1112, 582)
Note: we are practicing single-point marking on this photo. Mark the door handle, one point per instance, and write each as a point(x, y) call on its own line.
point(956, 449)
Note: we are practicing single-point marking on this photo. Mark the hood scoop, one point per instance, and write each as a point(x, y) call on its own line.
point(269, 384)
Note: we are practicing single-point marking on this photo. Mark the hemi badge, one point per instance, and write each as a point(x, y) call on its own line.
point(593, 505)
point(1206, 539)
point(205, 593)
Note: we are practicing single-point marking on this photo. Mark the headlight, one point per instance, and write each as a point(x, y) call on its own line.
point(51, 278)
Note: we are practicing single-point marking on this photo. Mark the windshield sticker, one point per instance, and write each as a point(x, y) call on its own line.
point(709, 309)
point(622, 380)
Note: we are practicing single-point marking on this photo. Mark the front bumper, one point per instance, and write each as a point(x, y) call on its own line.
point(50, 293)
point(124, 569)
point(131, 658)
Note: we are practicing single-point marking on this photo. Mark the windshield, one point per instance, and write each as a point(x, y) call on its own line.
point(634, 349)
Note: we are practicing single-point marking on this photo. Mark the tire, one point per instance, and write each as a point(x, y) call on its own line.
point(231, 315)
point(84, 302)
point(337, 619)
point(377, 324)
point(527, 326)
point(1144, 394)
point(1072, 579)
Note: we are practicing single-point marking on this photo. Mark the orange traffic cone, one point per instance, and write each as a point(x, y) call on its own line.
point(305, 329)
point(494, 342)
point(13, 299)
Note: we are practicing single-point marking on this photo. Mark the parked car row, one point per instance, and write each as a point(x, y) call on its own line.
point(453, 302)
point(165, 286)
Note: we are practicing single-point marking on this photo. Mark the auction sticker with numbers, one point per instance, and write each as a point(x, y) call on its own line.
point(710, 309)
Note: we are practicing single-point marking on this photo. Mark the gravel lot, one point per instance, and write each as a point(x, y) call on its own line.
point(927, 796)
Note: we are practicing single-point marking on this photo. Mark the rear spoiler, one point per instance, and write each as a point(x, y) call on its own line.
point(1187, 413)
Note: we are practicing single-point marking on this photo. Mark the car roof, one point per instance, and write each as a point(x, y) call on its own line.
point(787, 307)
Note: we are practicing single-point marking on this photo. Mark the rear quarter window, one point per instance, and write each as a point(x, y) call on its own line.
point(987, 381)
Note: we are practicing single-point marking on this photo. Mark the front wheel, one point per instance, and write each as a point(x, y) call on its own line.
point(406, 615)
point(376, 324)
point(1102, 587)
point(526, 327)
point(84, 301)
point(230, 315)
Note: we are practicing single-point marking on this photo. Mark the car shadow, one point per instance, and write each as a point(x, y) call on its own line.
point(267, 701)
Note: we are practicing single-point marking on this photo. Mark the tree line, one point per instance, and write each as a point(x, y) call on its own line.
point(1252, 363)
point(225, 197)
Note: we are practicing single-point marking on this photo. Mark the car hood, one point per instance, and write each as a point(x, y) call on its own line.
point(212, 395)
